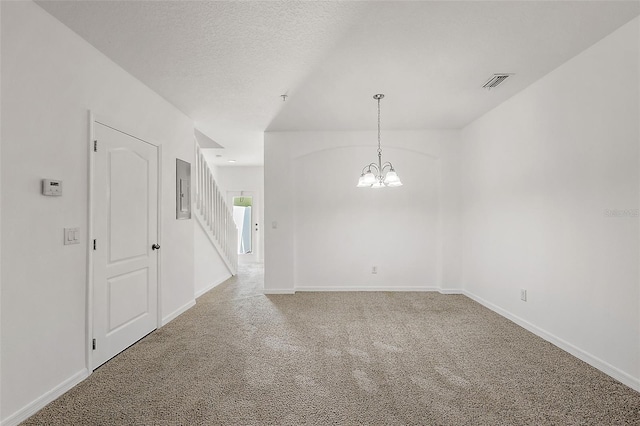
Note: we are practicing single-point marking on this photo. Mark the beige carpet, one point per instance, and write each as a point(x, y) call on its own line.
point(242, 358)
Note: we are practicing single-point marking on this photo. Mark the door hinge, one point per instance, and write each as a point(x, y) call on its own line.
point(94, 244)
point(93, 344)
point(95, 146)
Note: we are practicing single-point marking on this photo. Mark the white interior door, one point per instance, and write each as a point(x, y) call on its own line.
point(125, 227)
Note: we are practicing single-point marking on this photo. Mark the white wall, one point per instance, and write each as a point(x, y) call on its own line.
point(50, 79)
point(209, 268)
point(540, 172)
point(249, 178)
point(330, 234)
point(278, 214)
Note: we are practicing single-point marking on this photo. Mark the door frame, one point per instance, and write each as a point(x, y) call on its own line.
point(255, 217)
point(114, 124)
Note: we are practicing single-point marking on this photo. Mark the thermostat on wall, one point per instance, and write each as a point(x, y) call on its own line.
point(51, 187)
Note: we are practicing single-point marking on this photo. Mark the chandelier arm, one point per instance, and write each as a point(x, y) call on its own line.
point(385, 165)
point(368, 167)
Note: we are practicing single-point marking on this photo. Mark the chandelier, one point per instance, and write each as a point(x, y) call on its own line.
point(374, 175)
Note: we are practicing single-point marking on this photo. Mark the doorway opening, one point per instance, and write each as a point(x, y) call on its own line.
point(242, 211)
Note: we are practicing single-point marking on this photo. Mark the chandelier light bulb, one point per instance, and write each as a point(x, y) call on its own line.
point(369, 178)
point(391, 177)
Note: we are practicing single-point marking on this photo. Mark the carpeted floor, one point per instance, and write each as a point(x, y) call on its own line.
point(241, 358)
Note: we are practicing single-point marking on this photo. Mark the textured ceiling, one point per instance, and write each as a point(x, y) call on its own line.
point(432, 59)
point(225, 64)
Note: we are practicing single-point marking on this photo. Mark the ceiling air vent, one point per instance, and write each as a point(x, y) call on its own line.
point(496, 80)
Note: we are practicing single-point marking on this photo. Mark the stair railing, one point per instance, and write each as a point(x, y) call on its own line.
point(214, 214)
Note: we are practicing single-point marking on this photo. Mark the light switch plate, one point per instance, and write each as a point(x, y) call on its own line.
point(71, 236)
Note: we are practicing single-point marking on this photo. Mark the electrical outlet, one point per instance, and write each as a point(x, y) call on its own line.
point(523, 295)
point(374, 269)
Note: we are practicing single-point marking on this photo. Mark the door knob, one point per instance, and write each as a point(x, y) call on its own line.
point(155, 247)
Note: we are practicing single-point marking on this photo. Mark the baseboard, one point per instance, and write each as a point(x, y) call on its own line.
point(33, 407)
point(610, 370)
point(451, 291)
point(367, 288)
point(363, 288)
point(212, 286)
point(278, 291)
point(166, 320)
